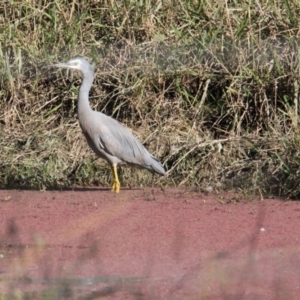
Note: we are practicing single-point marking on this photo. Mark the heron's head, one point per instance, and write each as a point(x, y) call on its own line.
point(77, 63)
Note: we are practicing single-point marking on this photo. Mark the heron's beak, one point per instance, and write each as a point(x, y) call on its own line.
point(60, 65)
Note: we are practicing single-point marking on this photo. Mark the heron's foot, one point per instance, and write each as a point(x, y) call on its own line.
point(116, 187)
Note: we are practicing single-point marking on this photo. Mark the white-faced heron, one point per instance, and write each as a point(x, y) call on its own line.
point(106, 136)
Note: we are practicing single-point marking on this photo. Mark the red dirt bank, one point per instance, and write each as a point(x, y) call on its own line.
point(147, 244)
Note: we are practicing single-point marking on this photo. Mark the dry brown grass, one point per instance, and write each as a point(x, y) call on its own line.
point(211, 88)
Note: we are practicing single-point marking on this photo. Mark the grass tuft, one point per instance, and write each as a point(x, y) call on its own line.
point(210, 88)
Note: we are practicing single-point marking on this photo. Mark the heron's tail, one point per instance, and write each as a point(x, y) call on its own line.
point(156, 166)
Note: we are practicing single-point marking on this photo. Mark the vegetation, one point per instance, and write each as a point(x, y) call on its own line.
point(210, 87)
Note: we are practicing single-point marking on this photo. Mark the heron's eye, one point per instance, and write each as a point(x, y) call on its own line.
point(75, 63)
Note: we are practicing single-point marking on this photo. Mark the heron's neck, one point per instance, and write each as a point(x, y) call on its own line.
point(83, 96)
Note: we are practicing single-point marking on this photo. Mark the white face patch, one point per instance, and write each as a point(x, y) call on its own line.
point(75, 63)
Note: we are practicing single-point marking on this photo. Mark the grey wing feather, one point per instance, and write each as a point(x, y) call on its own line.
point(119, 142)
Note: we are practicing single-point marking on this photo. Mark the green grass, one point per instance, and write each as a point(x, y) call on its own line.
point(211, 88)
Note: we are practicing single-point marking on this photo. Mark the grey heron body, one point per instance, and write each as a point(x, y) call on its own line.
point(107, 137)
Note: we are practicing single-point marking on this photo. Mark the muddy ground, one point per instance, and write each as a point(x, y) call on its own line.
point(147, 244)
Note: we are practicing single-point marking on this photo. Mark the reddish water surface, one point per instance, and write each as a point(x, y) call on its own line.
point(147, 244)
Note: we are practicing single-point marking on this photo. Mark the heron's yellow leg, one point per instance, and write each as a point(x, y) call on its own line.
point(116, 184)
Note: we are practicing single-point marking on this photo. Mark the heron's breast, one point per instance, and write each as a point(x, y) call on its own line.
point(92, 133)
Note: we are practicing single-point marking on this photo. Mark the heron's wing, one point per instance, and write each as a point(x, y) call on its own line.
point(118, 141)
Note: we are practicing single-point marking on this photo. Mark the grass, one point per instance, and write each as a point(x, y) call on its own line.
point(210, 88)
